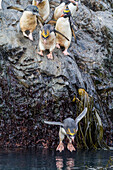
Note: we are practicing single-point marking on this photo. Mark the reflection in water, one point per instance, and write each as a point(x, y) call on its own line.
point(60, 165)
point(45, 159)
point(70, 163)
point(59, 162)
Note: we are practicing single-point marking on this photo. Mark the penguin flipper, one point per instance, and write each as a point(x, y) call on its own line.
point(53, 123)
point(40, 19)
point(15, 8)
point(61, 34)
point(82, 114)
point(49, 17)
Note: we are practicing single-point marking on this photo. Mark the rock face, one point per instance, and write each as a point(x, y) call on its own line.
point(33, 88)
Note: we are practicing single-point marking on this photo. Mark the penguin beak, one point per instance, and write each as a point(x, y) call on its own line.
point(62, 15)
point(45, 41)
point(72, 138)
point(37, 3)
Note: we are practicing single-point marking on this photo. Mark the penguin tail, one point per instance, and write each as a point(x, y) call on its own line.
point(15, 8)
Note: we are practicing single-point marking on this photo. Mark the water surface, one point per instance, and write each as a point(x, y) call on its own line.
point(42, 159)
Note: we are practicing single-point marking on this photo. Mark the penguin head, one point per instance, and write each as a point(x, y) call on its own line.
point(33, 9)
point(71, 132)
point(46, 30)
point(70, 128)
point(66, 13)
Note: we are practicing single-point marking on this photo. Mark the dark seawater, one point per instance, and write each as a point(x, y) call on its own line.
point(42, 159)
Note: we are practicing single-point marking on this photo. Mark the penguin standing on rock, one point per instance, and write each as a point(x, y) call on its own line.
point(72, 5)
point(69, 127)
point(28, 20)
point(63, 25)
point(47, 39)
point(44, 8)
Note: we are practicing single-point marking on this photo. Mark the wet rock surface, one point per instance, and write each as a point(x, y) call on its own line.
point(33, 88)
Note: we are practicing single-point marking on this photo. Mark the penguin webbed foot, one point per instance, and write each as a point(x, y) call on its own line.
point(40, 53)
point(70, 147)
point(60, 147)
point(57, 45)
point(50, 56)
point(65, 52)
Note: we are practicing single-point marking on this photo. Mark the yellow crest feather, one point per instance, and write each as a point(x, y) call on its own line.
point(69, 132)
point(45, 34)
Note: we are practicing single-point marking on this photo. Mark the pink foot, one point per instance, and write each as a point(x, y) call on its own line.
point(50, 56)
point(40, 53)
point(60, 147)
point(57, 45)
point(72, 1)
point(70, 147)
point(65, 52)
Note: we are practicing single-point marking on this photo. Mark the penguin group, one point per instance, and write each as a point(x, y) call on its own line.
point(51, 36)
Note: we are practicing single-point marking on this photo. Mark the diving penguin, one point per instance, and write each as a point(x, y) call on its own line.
point(63, 25)
point(44, 8)
point(72, 5)
point(28, 20)
point(47, 39)
point(69, 127)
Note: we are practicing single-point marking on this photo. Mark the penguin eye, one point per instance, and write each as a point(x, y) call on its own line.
point(35, 10)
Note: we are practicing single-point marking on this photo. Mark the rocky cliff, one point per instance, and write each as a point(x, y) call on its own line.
point(33, 88)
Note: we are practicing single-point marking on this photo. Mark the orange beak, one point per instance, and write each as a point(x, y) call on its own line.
point(62, 15)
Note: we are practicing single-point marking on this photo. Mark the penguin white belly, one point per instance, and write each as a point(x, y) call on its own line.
point(44, 9)
point(28, 21)
point(72, 8)
point(58, 11)
point(63, 26)
point(50, 42)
